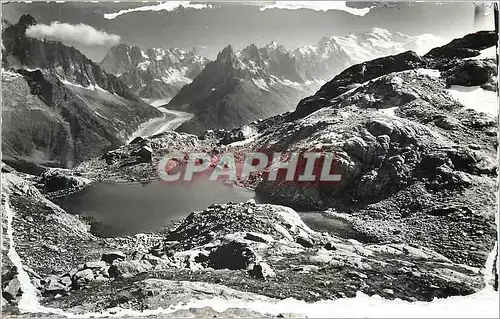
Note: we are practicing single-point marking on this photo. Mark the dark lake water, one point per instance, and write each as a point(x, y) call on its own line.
point(118, 209)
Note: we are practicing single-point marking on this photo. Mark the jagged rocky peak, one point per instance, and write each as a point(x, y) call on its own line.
point(120, 58)
point(27, 20)
point(227, 56)
point(251, 52)
point(153, 73)
point(273, 50)
point(273, 45)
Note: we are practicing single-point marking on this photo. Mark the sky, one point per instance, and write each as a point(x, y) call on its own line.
point(208, 27)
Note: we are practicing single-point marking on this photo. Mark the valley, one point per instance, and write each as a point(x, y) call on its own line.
point(169, 121)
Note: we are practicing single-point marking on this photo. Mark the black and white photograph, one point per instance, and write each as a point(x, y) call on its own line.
point(249, 159)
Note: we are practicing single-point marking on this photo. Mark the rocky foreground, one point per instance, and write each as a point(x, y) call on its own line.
point(419, 176)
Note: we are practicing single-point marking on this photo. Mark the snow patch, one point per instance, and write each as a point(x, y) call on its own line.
point(144, 65)
point(389, 111)
point(176, 76)
point(244, 142)
point(429, 72)
point(489, 53)
point(475, 98)
point(91, 87)
point(261, 84)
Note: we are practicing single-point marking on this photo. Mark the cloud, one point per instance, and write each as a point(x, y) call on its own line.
point(166, 6)
point(79, 33)
point(316, 6)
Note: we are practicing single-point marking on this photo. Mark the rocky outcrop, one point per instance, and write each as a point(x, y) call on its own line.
point(465, 47)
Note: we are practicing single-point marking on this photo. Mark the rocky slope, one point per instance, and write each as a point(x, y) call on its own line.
point(273, 255)
point(419, 169)
point(59, 107)
point(153, 73)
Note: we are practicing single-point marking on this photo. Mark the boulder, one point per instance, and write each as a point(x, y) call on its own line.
point(138, 140)
point(12, 291)
point(83, 277)
point(306, 242)
point(259, 237)
point(233, 255)
point(330, 246)
point(128, 268)
point(379, 127)
point(109, 257)
point(471, 73)
point(95, 264)
point(54, 286)
point(143, 154)
point(262, 270)
point(113, 156)
point(446, 123)
point(66, 281)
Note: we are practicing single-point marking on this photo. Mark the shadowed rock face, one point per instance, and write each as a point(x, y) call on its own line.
point(65, 110)
point(465, 47)
point(233, 91)
point(54, 57)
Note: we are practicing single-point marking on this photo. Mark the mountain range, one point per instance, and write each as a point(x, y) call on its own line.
point(153, 73)
point(241, 87)
point(61, 108)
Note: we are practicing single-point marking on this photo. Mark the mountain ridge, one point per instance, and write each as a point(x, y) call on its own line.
point(62, 108)
point(153, 73)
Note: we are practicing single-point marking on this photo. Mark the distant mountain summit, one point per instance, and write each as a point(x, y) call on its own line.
point(153, 73)
point(59, 107)
point(331, 55)
point(273, 59)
